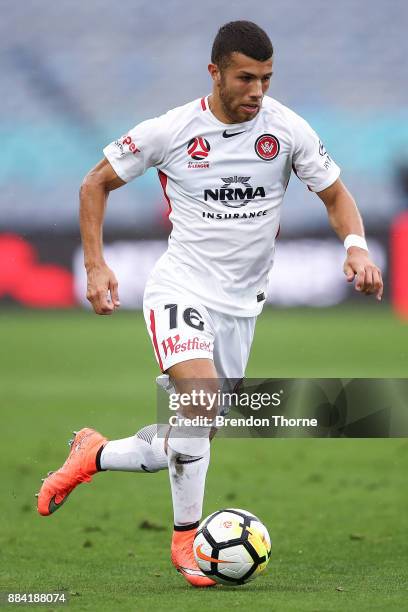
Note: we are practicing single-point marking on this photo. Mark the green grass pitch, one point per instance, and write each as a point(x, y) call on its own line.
point(336, 509)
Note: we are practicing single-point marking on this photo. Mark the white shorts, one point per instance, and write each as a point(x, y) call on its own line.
point(182, 330)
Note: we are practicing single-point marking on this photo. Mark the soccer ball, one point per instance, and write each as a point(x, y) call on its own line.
point(232, 546)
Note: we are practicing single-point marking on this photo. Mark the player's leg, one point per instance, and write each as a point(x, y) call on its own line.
point(188, 447)
point(183, 337)
point(188, 458)
point(189, 455)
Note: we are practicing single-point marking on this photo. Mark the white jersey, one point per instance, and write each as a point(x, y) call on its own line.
point(224, 184)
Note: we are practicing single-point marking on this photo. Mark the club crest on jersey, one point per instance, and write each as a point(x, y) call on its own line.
point(198, 148)
point(232, 196)
point(267, 147)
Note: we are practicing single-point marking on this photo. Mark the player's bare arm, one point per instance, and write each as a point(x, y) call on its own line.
point(345, 219)
point(102, 289)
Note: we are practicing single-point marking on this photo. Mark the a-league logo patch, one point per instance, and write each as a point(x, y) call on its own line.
point(198, 148)
point(267, 147)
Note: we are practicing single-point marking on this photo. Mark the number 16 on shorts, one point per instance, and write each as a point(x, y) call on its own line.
point(179, 331)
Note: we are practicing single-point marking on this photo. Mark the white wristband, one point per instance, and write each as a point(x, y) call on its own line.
point(355, 240)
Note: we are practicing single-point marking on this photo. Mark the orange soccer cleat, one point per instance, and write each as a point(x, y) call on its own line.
point(182, 557)
point(79, 466)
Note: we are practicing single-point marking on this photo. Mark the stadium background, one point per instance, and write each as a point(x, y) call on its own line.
point(76, 75)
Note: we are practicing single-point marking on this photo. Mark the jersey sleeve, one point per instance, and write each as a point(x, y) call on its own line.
point(310, 161)
point(141, 148)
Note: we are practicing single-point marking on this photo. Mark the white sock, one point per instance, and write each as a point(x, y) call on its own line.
point(187, 479)
point(143, 452)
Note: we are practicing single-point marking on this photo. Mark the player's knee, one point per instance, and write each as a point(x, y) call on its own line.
point(200, 398)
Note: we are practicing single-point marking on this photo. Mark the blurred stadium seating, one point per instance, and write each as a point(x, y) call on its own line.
point(76, 75)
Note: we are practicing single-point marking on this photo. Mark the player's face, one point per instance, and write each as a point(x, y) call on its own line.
point(241, 86)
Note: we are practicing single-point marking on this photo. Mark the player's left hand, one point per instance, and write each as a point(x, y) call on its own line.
point(359, 266)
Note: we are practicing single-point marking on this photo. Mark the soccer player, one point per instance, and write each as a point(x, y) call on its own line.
point(224, 162)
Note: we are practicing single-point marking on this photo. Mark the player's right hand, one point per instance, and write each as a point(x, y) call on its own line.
point(102, 290)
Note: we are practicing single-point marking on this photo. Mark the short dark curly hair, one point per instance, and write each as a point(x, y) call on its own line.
point(243, 37)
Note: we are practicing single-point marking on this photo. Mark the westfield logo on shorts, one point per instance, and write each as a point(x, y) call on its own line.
point(173, 345)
